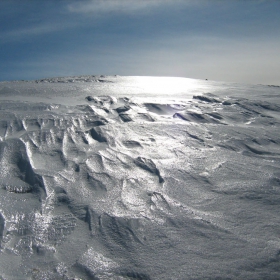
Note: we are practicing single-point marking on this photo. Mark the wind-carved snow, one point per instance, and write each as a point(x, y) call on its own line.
point(103, 178)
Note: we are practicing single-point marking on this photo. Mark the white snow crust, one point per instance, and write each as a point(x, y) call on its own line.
point(139, 178)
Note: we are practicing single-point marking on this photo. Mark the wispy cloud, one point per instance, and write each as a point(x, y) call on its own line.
point(121, 6)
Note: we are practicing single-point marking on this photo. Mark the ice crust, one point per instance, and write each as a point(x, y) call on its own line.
point(139, 178)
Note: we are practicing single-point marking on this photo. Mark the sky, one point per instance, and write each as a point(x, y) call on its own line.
point(223, 40)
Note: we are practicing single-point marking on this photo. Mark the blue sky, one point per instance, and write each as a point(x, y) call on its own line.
point(227, 40)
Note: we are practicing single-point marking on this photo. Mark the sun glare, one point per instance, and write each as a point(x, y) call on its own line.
point(166, 86)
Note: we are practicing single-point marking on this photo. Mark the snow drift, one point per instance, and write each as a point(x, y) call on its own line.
point(139, 178)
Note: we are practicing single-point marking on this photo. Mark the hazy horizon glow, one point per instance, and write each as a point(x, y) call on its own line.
point(236, 41)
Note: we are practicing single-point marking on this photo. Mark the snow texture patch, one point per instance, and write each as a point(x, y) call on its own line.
point(122, 178)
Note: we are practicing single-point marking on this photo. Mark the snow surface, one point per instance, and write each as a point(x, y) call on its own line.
point(139, 178)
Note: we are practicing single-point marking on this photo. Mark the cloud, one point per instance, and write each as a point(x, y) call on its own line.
point(120, 6)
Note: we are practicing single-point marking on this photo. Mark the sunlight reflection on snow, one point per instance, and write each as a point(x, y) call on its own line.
point(163, 86)
point(166, 85)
